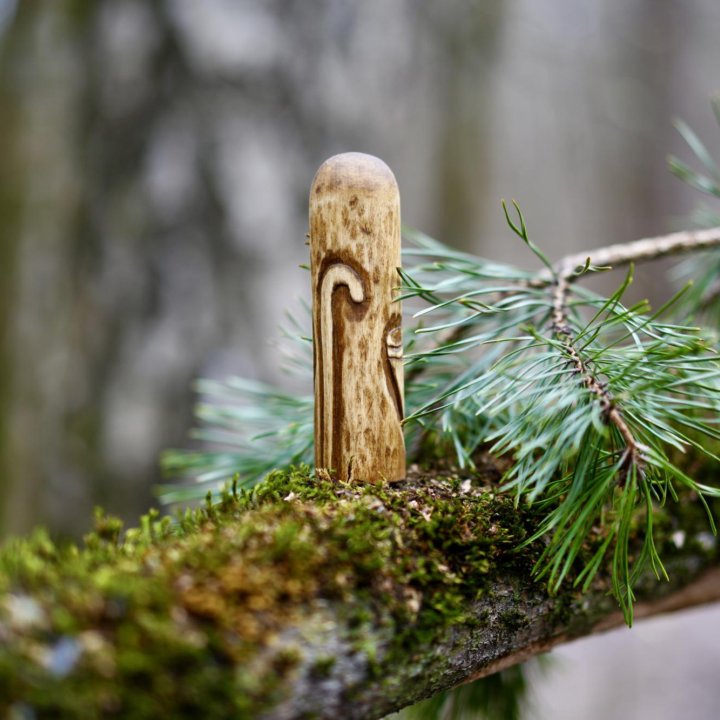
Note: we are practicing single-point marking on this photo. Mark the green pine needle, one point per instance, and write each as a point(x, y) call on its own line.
point(501, 696)
point(703, 299)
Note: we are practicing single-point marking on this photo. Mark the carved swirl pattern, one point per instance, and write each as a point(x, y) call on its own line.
point(335, 276)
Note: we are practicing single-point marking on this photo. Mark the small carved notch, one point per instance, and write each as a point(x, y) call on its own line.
point(394, 352)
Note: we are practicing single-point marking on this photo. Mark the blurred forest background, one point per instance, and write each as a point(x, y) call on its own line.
point(155, 159)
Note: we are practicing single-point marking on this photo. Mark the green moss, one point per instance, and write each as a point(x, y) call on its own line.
point(189, 618)
point(513, 620)
point(322, 667)
point(119, 626)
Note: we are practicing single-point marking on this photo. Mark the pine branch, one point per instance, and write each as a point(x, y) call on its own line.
point(611, 412)
point(573, 267)
point(647, 389)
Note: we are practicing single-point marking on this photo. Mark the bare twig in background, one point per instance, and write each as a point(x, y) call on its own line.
point(622, 254)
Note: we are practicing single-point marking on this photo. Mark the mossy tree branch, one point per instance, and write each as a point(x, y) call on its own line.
point(307, 598)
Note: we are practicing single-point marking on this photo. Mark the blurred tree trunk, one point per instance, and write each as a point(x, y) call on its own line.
point(469, 44)
point(106, 316)
point(10, 208)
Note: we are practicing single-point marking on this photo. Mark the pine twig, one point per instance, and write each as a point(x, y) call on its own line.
point(611, 256)
point(614, 256)
point(622, 254)
point(648, 382)
point(612, 413)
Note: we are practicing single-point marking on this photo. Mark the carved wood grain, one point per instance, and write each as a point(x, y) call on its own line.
point(354, 256)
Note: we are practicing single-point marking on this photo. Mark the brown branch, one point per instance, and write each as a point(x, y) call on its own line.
point(703, 590)
point(623, 254)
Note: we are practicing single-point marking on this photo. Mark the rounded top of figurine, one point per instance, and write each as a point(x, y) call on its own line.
point(353, 171)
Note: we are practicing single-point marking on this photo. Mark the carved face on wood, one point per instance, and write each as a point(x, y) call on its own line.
point(355, 253)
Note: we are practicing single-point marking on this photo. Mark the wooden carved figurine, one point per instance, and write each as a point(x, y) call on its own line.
point(355, 253)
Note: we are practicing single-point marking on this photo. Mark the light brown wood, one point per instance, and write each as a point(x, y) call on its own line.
point(355, 254)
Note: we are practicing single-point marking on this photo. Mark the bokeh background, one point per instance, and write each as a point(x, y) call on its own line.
point(155, 159)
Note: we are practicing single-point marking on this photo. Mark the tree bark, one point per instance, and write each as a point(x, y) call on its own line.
point(308, 598)
point(468, 654)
